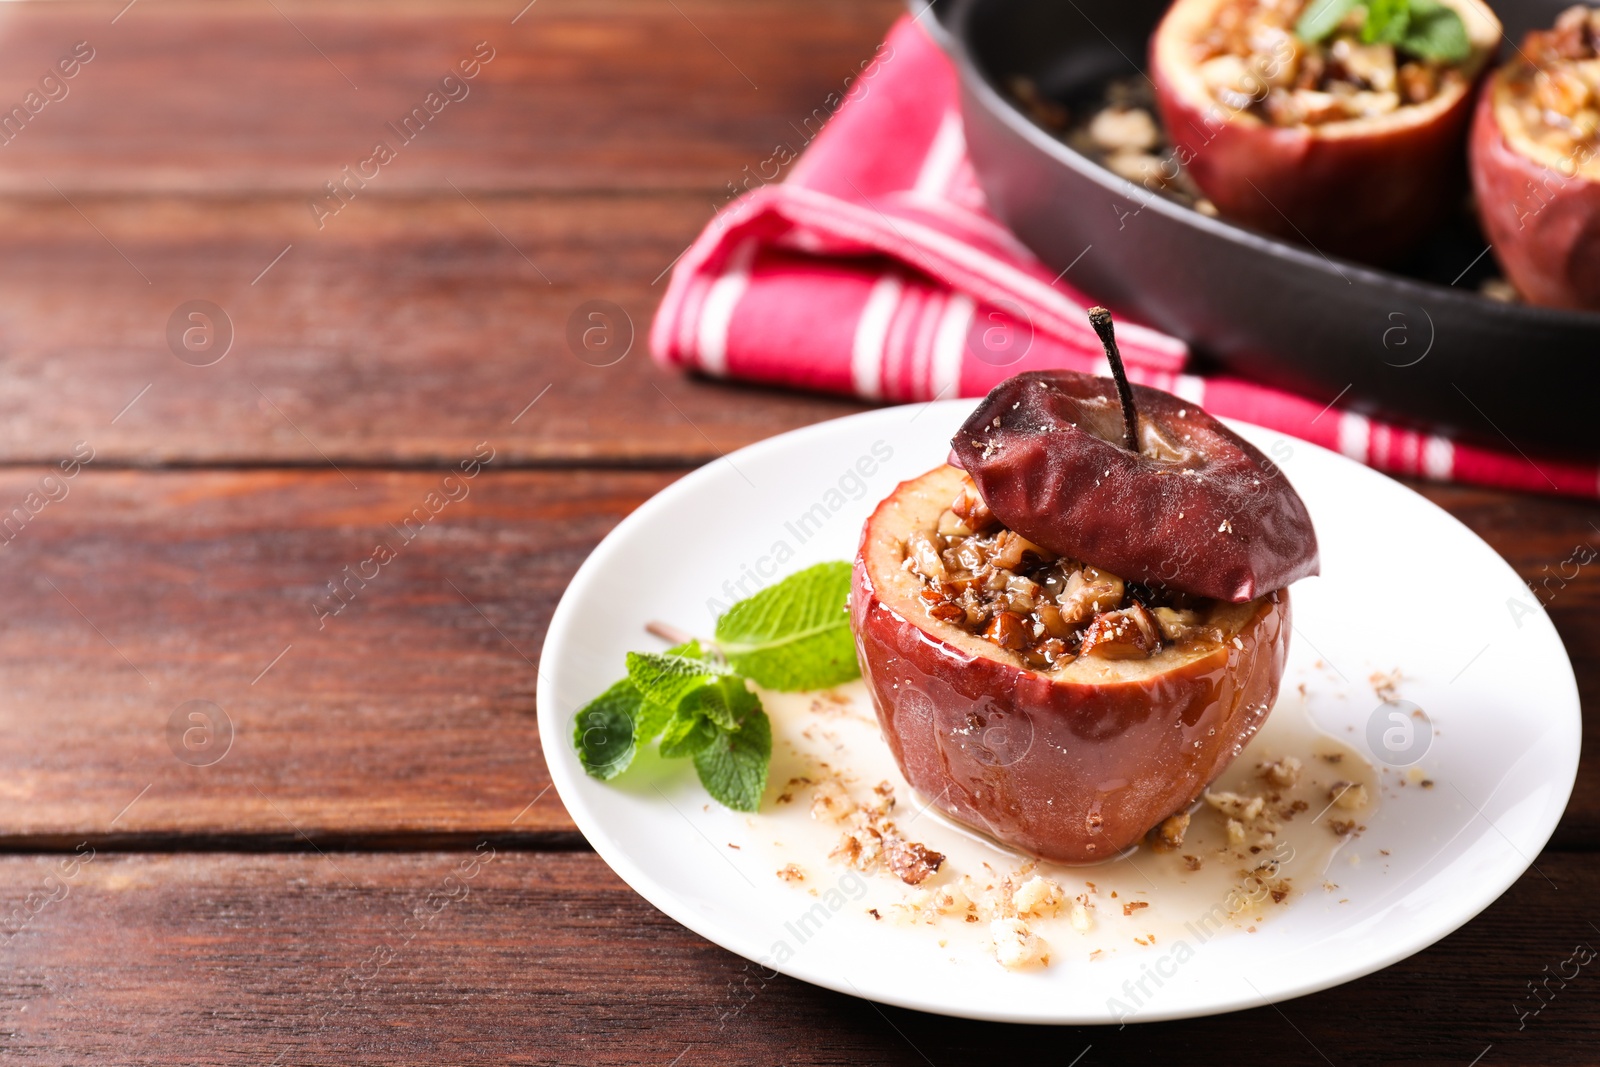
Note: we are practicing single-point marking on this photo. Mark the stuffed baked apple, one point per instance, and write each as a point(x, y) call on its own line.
point(1330, 122)
point(1073, 632)
point(1536, 163)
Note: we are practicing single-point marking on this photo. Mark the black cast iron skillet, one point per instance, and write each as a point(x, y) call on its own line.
point(1417, 346)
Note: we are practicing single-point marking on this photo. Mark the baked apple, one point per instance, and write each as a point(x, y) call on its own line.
point(1031, 690)
point(1330, 122)
point(1536, 163)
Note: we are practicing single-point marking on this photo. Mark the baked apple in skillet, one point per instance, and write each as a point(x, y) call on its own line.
point(1338, 124)
point(1536, 163)
point(1067, 640)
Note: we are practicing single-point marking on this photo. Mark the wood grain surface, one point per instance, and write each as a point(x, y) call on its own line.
point(404, 333)
point(211, 98)
point(234, 906)
point(528, 958)
point(404, 701)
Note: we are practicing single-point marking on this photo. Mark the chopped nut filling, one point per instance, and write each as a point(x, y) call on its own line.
point(1117, 126)
point(1109, 124)
point(1556, 85)
point(995, 583)
point(1252, 61)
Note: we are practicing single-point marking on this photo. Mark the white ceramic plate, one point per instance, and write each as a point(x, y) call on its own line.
point(1403, 585)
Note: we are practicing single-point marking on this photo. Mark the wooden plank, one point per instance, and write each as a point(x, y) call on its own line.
point(211, 98)
point(407, 707)
point(402, 333)
point(352, 958)
point(409, 711)
point(183, 162)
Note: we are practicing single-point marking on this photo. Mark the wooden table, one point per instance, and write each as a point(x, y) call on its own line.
point(270, 891)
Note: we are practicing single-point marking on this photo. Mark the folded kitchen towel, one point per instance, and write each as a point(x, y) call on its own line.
point(875, 269)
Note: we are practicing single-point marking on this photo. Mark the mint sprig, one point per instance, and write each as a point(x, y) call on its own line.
point(1427, 29)
point(695, 699)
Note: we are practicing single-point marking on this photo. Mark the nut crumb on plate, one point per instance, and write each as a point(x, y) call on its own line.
point(1016, 946)
point(1170, 833)
point(1347, 795)
point(1284, 773)
point(1038, 897)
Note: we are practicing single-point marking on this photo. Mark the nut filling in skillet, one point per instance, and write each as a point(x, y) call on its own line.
point(1256, 59)
point(1555, 85)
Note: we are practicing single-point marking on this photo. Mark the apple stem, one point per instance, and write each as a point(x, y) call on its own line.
point(1101, 320)
point(670, 634)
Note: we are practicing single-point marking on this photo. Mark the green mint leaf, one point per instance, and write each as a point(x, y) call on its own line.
point(1436, 32)
point(1387, 21)
point(796, 634)
point(1322, 17)
point(687, 735)
point(733, 768)
point(690, 650)
point(650, 720)
point(603, 731)
point(665, 679)
point(655, 714)
point(704, 713)
point(725, 702)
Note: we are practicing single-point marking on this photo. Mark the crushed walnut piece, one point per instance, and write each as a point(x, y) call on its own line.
point(1347, 795)
point(1038, 897)
point(1016, 946)
point(1385, 686)
point(869, 837)
point(1283, 773)
point(911, 862)
point(791, 872)
point(831, 801)
point(1169, 834)
point(1245, 809)
point(1249, 821)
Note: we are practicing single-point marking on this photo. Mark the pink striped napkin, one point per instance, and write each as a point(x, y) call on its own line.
point(874, 269)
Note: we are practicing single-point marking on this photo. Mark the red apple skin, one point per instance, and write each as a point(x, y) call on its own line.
point(1073, 773)
point(1210, 515)
point(1544, 225)
point(1370, 197)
